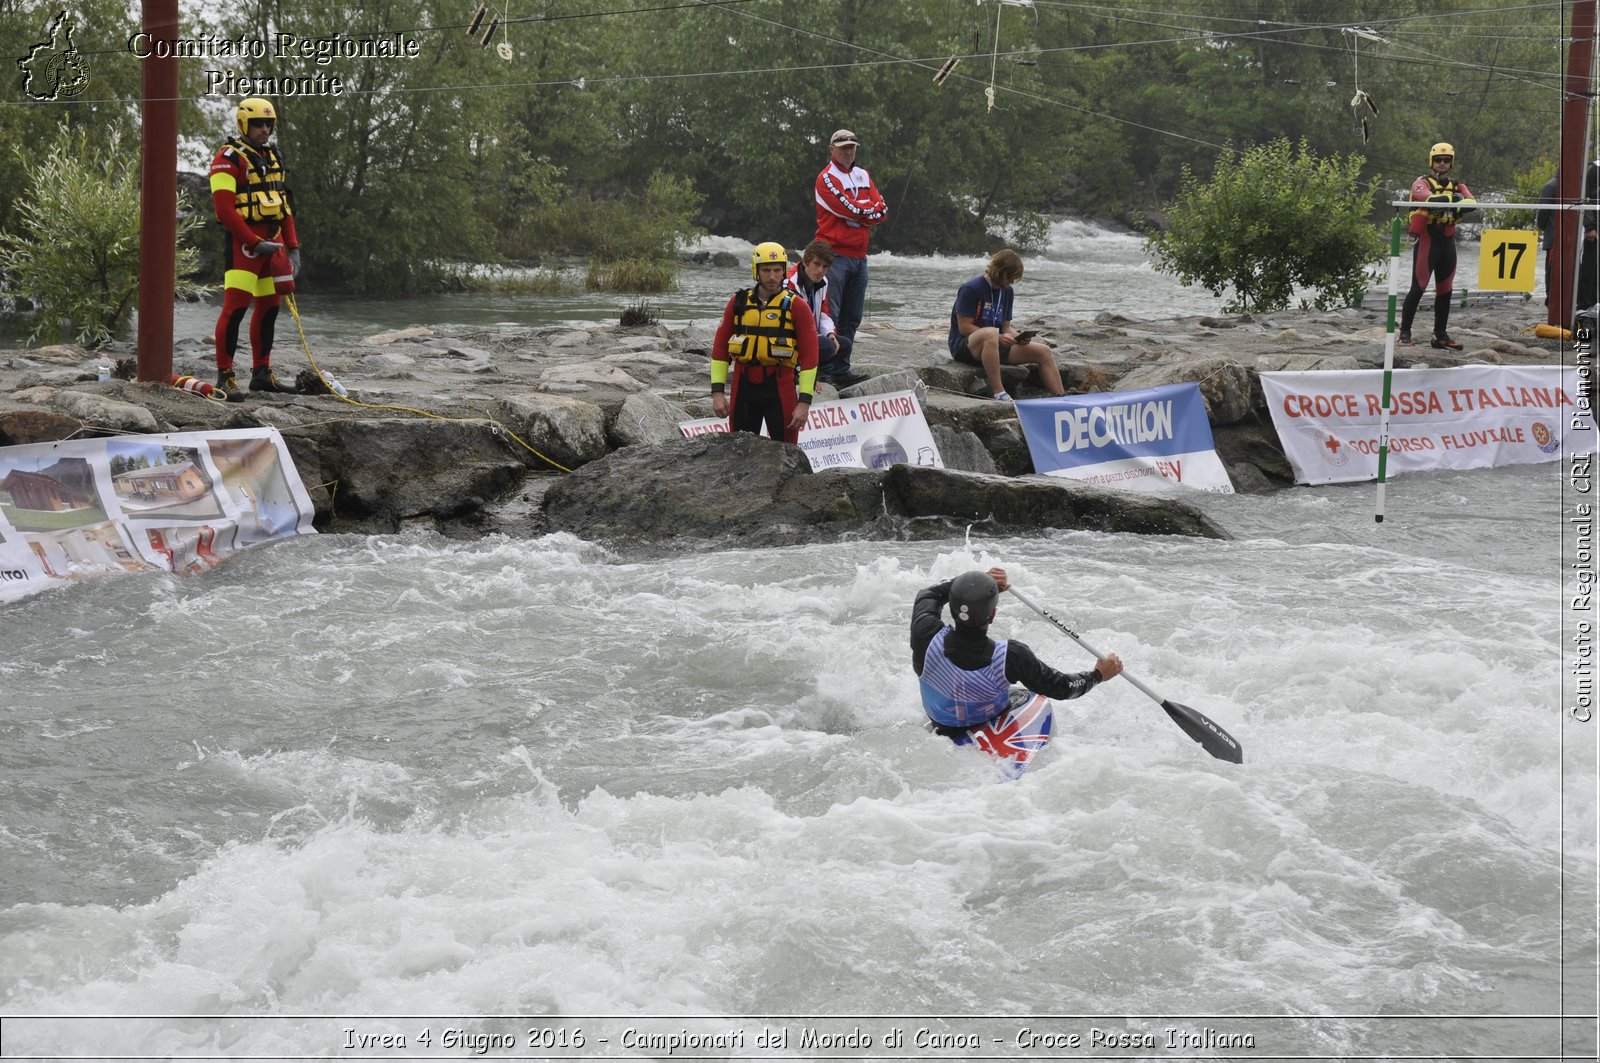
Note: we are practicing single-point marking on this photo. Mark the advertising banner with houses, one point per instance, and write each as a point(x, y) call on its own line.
point(1472, 417)
point(180, 503)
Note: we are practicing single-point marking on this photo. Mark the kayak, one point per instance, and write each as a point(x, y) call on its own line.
point(1014, 737)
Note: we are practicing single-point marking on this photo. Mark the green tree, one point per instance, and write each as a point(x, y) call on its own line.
point(1272, 219)
point(105, 103)
point(458, 155)
point(1530, 183)
point(742, 100)
point(76, 253)
point(411, 167)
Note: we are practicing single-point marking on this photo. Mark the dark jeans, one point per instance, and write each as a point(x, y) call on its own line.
point(847, 294)
point(827, 358)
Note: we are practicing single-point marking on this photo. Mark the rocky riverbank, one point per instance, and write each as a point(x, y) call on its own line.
point(464, 429)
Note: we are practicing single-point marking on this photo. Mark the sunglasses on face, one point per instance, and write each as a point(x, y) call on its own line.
point(261, 121)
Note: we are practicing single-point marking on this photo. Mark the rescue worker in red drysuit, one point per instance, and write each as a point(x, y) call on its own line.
point(261, 252)
point(764, 356)
point(1435, 253)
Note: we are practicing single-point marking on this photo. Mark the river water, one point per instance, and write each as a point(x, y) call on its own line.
point(1083, 270)
point(348, 788)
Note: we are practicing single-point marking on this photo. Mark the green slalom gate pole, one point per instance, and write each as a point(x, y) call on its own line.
point(1388, 364)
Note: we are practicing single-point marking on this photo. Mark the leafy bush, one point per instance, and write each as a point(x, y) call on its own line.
point(1530, 184)
point(77, 254)
point(1270, 220)
point(632, 241)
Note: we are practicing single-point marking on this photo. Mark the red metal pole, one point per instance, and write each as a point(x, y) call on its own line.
point(158, 196)
point(1578, 86)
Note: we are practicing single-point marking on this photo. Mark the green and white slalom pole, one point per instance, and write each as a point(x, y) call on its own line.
point(1388, 364)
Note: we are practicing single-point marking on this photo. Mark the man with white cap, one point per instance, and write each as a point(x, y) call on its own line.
point(848, 205)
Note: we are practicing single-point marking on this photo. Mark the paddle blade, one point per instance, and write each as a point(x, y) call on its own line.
point(1200, 727)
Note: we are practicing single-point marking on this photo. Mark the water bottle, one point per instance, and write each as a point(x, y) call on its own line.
point(333, 384)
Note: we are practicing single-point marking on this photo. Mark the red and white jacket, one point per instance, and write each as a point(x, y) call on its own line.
point(848, 204)
point(817, 298)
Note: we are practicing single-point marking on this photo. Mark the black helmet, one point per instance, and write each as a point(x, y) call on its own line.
point(973, 596)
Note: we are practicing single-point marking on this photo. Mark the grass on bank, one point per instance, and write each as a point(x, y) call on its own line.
point(631, 275)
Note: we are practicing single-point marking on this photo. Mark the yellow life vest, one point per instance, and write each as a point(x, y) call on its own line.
point(763, 333)
point(1445, 191)
point(263, 197)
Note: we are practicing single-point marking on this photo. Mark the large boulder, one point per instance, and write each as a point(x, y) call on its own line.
point(385, 472)
point(963, 379)
point(183, 410)
point(1006, 504)
point(748, 488)
point(60, 354)
point(706, 486)
point(1225, 385)
point(35, 426)
point(1079, 378)
point(54, 378)
point(415, 332)
point(994, 424)
point(644, 418)
point(883, 384)
point(102, 411)
point(1253, 454)
point(961, 450)
point(568, 431)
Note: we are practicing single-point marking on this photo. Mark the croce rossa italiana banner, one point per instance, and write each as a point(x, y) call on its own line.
point(1467, 418)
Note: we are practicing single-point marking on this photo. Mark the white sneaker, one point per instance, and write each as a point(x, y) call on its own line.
point(1001, 396)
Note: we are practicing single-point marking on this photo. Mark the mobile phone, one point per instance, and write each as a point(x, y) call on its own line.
point(1024, 337)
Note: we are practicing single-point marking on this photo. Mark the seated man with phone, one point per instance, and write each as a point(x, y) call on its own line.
point(980, 328)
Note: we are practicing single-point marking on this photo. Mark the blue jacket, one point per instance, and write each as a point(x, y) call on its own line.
point(956, 697)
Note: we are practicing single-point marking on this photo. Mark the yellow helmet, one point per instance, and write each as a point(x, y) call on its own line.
point(254, 107)
point(765, 254)
point(1441, 148)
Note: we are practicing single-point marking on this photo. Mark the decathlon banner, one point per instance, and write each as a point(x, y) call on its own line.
point(874, 432)
point(1135, 440)
point(1467, 418)
point(179, 503)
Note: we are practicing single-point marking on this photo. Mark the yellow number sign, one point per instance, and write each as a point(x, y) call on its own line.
point(1506, 259)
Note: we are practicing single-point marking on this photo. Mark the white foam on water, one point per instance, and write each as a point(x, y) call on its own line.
point(1097, 883)
point(538, 777)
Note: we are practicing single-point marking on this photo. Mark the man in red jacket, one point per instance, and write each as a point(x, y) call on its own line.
point(848, 205)
point(261, 251)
